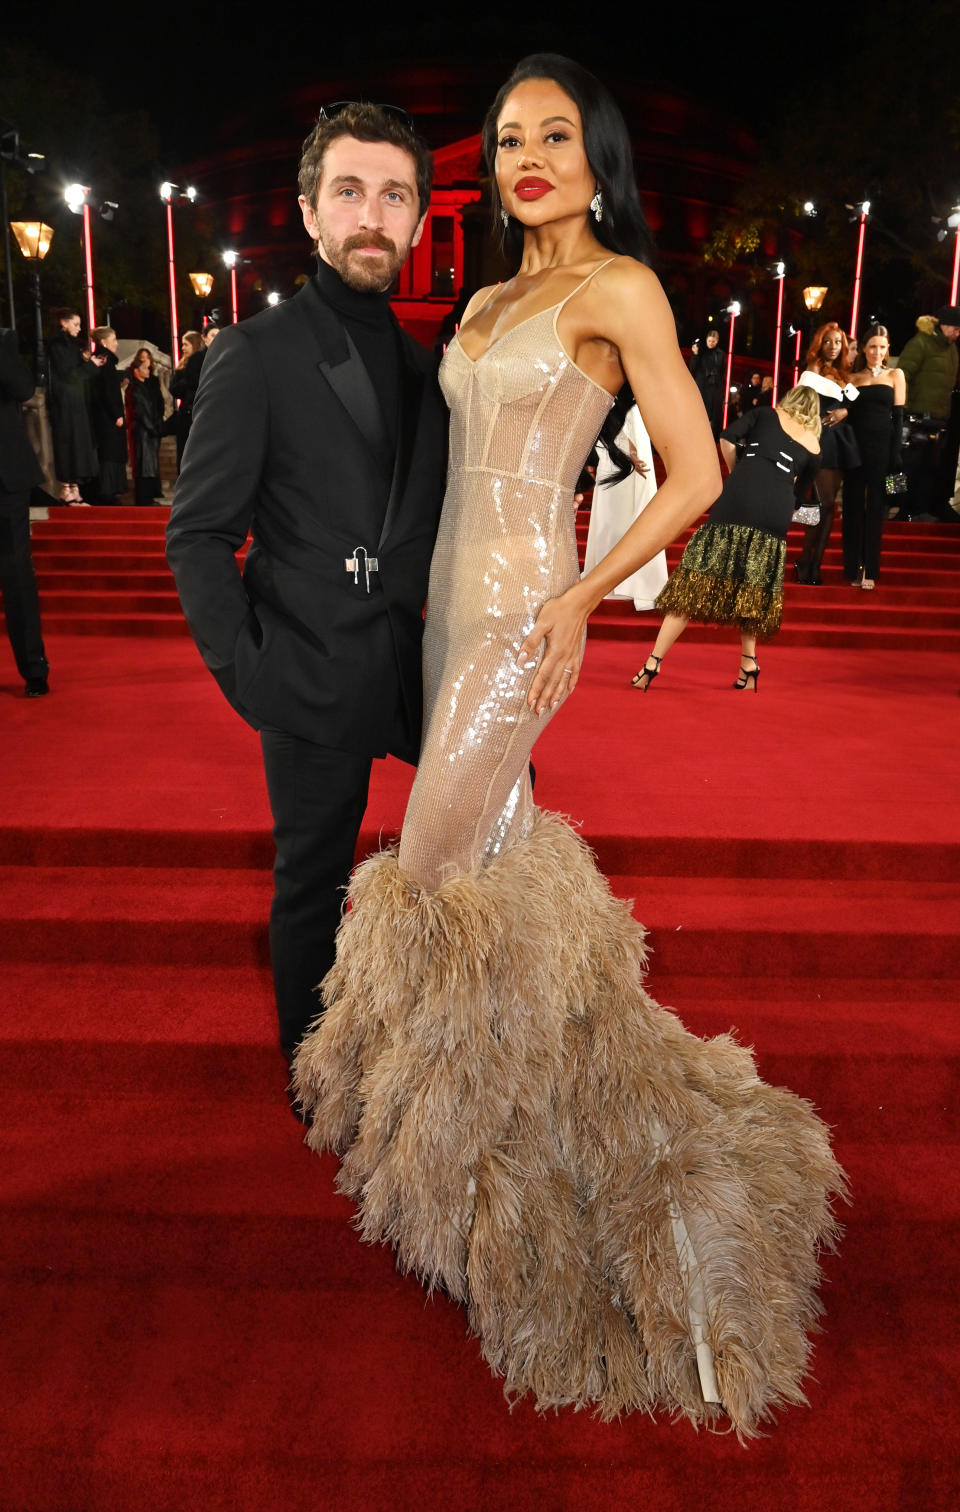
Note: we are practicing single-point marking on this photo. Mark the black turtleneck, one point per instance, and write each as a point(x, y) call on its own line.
point(369, 320)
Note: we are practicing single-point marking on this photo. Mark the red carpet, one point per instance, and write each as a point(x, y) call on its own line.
point(190, 1320)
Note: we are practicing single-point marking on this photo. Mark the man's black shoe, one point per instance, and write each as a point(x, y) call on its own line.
point(36, 687)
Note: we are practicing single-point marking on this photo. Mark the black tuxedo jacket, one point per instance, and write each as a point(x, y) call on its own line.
point(288, 440)
point(19, 468)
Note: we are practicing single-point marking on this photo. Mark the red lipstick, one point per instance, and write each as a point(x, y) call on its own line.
point(532, 188)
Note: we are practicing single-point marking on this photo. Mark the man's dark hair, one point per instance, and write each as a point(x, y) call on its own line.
point(367, 123)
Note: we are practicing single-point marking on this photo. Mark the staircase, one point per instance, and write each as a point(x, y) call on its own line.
point(103, 572)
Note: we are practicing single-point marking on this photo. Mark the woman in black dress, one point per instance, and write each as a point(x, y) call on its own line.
point(877, 420)
point(183, 386)
point(70, 382)
point(108, 418)
point(707, 367)
point(145, 421)
point(828, 374)
point(731, 572)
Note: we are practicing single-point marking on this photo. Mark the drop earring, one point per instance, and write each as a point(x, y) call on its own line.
point(505, 218)
point(596, 205)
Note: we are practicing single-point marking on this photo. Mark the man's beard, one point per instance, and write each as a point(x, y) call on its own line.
point(365, 274)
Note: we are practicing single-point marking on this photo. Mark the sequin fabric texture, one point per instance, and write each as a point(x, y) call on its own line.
point(522, 419)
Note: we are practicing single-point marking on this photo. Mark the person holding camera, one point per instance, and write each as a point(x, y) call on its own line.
point(706, 365)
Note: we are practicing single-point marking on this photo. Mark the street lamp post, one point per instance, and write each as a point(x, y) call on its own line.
point(33, 238)
point(77, 197)
point(778, 270)
point(733, 310)
point(230, 261)
point(864, 210)
point(953, 220)
point(202, 285)
point(168, 193)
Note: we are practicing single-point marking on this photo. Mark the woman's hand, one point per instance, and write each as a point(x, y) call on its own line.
point(833, 417)
point(559, 629)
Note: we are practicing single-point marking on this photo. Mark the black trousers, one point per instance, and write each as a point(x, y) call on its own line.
point(317, 796)
point(864, 507)
point(21, 605)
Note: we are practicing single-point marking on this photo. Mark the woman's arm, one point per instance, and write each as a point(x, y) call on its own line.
point(625, 306)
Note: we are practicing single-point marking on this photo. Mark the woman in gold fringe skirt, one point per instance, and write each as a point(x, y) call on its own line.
point(630, 1216)
point(731, 572)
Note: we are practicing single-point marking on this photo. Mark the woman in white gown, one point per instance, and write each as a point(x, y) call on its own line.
point(615, 507)
point(631, 1217)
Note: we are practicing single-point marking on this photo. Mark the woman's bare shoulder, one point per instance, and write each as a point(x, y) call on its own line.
point(477, 301)
point(624, 276)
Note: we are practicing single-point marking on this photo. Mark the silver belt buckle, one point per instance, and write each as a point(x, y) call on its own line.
point(370, 564)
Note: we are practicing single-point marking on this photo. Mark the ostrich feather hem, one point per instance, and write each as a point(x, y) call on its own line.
point(525, 1125)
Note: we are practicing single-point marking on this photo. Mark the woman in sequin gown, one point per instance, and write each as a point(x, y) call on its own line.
point(629, 1215)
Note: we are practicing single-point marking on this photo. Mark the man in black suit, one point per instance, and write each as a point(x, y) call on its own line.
point(320, 426)
point(19, 472)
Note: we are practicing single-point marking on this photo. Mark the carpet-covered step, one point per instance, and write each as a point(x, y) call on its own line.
point(754, 857)
point(823, 633)
point(189, 1189)
point(879, 1059)
point(205, 915)
point(198, 1388)
point(848, 609)
point(157, 579)
point(155, 624)
point(847, 614)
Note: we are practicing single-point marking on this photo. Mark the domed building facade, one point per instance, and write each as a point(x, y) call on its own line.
point(690, 164)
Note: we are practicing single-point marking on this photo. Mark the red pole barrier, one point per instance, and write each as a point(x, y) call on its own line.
point(796, 361)
point(956, 267)
point(864, 211)
point(734, 312)
point(776, 349)
point(88, 273)
point(174, 345)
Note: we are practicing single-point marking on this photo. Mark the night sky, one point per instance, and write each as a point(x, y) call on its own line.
point(201, 62)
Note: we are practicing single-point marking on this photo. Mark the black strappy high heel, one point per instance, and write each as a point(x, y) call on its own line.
point(646, 672)
point(743, 681)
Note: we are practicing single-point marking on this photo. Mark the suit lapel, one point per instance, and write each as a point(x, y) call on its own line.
point(343, 370)
point(411, 398)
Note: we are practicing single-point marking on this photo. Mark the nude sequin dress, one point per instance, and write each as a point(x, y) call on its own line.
point(630, 1216)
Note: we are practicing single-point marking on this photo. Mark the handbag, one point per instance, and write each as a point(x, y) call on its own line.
point(896, 483)
point(807, 514)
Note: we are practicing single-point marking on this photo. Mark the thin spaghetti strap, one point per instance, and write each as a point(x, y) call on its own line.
point(583, 283)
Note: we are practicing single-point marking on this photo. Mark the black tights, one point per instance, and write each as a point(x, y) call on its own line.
point(815, 537)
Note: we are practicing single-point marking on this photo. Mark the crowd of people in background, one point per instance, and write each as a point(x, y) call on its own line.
point(885, 433)
point(106, 416)
point(884, 439)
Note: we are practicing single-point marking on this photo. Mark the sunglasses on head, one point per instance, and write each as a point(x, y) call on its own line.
point(330, 112)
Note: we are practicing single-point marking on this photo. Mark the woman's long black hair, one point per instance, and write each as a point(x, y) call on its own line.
point(623, 228)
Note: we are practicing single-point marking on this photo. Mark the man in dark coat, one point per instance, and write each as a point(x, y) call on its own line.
point(19, 472)
point(319, 425)
point(929, 364)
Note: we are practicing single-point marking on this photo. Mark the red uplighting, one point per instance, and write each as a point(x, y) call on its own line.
point(233, 292)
